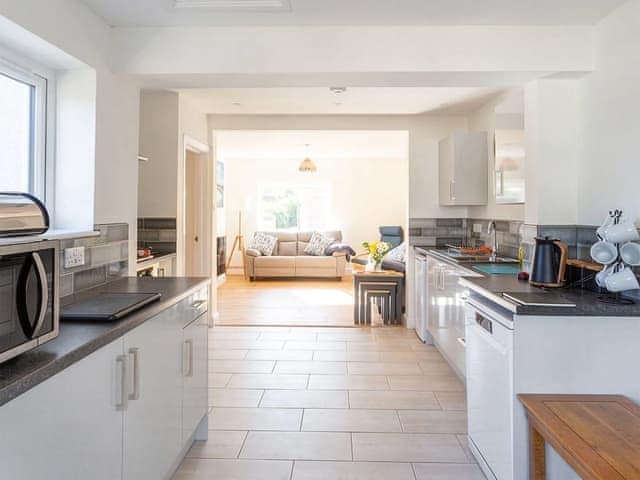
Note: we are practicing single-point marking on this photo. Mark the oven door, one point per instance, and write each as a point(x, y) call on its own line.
point(28, 303)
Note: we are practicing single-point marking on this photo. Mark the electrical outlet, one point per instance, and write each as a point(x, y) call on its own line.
point(477, 228)
point(73, 257)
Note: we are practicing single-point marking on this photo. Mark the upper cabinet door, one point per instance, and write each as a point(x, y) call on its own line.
point(153, 418)
point(69, 426)
point(463, 169)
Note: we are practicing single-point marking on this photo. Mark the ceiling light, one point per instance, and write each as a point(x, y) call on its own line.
point(338, 90)
point(232, 5)
point(236, 104)
point(307, 165)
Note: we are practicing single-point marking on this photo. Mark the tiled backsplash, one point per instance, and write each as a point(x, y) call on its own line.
point(106, 259)
point(159, 234)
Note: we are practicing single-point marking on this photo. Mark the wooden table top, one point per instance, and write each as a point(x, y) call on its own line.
point(598, 435)
point(384, 273)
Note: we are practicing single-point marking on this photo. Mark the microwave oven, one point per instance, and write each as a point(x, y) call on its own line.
point(29, 303)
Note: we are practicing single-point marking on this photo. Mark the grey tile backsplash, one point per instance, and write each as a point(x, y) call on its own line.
point(157, 233)
point(106, 259)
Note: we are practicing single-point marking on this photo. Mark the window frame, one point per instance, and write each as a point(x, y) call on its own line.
point(41, 177)
point(297, 188)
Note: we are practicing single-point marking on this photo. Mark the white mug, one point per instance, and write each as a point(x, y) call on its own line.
point(625, 231)
point(630, 253)
point(622, 281)
point(604, 252)
point(601, 276)
point(602, 230)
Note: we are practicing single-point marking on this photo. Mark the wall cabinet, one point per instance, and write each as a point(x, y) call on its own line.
point(127, 411)
point(463, 169)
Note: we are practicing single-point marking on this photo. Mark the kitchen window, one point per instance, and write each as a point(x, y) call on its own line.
point(23, 104)
point(294, 207)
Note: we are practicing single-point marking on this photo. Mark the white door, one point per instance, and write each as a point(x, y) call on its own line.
point(195, 377)
point(69, 426)
point(197, 205)
point(153, 419)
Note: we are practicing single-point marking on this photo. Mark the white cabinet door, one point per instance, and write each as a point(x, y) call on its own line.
point(153, 418)
point(68, 427)
point(195, 377)
point(463, 169)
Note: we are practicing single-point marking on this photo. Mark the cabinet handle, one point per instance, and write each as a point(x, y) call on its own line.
point(199, 303)
point(124, 400)
point(135, 353)
point(452, 195)
point(442, 284)
point(462, 341)
point(188, 364)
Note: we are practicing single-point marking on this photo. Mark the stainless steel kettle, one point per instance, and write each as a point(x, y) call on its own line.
point(549, 263)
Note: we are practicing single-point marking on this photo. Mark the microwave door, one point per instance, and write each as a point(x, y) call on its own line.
point(32, 295)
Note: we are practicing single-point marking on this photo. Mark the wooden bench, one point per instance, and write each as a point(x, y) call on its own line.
point(597, 435)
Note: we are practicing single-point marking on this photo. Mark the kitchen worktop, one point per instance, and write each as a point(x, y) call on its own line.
point(79, 339)
point(493, 286)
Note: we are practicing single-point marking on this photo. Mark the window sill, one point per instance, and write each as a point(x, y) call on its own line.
point(52, 234)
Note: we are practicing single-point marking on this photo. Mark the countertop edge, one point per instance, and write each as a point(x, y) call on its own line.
point(38, 376)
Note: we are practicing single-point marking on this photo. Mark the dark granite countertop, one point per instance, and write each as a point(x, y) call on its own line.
point(493, 286)
point(79, 339)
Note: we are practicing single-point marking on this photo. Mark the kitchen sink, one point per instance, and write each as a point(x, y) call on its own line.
point(471, 258)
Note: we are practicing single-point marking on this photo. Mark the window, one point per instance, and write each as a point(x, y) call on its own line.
point(22, 130)
point(294, 207)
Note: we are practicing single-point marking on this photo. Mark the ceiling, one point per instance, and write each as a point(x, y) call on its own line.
point(323, 144)
point(354, 101)
point(356, 12)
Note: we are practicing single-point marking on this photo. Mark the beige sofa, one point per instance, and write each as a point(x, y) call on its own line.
point(289, 260)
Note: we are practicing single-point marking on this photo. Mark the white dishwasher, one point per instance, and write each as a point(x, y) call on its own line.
point(490, 388)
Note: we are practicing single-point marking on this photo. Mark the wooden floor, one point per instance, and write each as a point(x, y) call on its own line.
point(299, 302)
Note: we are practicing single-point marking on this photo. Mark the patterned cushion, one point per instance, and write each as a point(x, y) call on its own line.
point(264, 243)
point(398, 254)
point(318, 244)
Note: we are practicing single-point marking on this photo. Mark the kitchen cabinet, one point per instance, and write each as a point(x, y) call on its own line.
point(69, 426)
point(154, 412)
point(166, 266)
point(195, 376)
point(127, 411)
point(463, 169)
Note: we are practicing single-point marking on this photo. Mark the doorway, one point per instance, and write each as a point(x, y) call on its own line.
point(196, 201)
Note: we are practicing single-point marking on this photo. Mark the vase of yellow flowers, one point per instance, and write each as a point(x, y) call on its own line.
point(376, 251)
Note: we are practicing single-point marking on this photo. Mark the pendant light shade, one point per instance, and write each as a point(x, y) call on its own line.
point(307, 165)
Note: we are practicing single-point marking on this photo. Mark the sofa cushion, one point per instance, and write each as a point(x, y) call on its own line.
point(305, 237)
point(288, 249)
point(264, 243)
point(275, 262)
point(309, 261)
point(318, 244)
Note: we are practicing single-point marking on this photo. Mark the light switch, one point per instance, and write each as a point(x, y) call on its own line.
point(73, 257)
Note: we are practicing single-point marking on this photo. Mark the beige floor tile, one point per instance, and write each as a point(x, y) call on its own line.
point(325, 368)
point(409, 356)
point(393, 400)
point(305, 399)
point(352, 471)
point(259, 380)
point(217, 335)
point(220, 444)
point(407, 447)
point(279, 355)
point(227, 354)
point(246, 345)
point(429, 383)
point(297, 446)
point(304, 335)
point(383, 368)
point(378, 347)
point(298, 345)
point(225, 397)
point(436, 367)
point(348, 382)
point(255, 419)
point(219, 380)
point(335, 420)
point(447, 471)
point(452, 400)
point(241, 366)
point(355, 336)
point(222, 469)
point(433, 421)
point(333, 356)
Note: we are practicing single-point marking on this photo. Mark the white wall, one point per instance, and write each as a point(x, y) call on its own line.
point(610, 163)
point(424, 134)
point(365, 193)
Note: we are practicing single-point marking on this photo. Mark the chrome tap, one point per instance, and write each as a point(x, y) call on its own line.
point(491, 229)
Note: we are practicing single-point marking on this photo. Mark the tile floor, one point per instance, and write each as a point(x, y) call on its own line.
point(311, 403)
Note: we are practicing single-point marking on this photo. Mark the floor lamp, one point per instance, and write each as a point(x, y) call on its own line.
point(238, 243)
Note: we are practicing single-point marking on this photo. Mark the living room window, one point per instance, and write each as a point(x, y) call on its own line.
point(23, 96)
point(294, 207)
